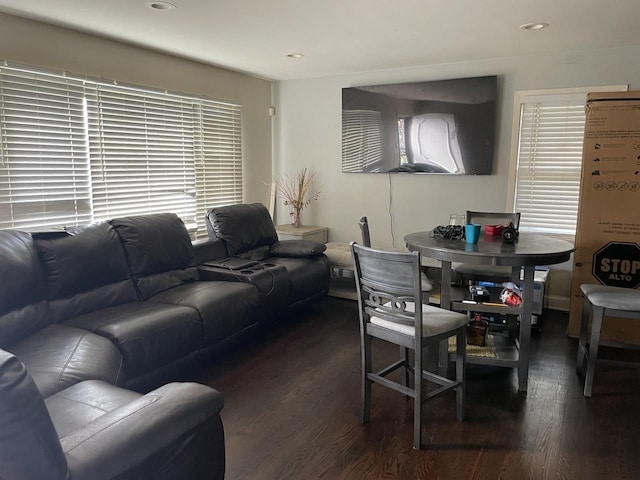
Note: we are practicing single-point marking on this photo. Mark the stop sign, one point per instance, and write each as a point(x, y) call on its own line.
point(617, 264)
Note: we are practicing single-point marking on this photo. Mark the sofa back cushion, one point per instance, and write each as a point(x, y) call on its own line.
point(242, 227)
point(29, 445)
point(158, 250)
point(85, 272)
point(23, 308)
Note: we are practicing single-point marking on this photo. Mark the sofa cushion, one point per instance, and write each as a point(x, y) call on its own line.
point(23, 309)
point(85, 271)
point(59, 356)
point(225, 308)
point(159, 251)
point(242, 227)
point(148, 335)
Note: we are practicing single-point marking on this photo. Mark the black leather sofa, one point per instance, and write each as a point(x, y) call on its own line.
point(126, 303)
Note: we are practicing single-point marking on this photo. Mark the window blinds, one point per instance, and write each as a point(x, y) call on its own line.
point(75, 150)
point(142, 153)
point(44, 172)
point(218, 147)
point(549, 162)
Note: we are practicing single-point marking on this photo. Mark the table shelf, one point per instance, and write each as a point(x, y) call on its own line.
point(506, 350)
point(484, 308)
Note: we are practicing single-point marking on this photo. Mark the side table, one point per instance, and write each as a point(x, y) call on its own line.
point(303, 232)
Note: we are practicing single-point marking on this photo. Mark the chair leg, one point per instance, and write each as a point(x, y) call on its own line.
point(443, 358)
point(366, 382)
point(596, 325)
point(417, 400)
point(582, 342)
point(404, 356)
point(461, 360)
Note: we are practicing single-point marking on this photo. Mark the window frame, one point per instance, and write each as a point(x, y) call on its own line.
point(221, 152)
point(520, 97)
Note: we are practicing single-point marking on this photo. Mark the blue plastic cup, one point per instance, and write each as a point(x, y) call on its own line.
point(472, 232)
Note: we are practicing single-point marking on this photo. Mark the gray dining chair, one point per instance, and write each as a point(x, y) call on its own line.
point(601, 301)
point(339, 253)
point(427, 284)
point(388, 286)
point(465, 272)
point(363, 223)
point(341, 260)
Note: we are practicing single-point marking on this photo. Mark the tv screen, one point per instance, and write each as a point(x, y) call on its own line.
point(444, 126)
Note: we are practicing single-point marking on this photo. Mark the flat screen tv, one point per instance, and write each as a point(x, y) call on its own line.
point(445, 127)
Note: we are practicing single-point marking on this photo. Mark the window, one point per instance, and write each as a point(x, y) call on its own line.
point(44, 173)
point(549, 136)
point(75, 150)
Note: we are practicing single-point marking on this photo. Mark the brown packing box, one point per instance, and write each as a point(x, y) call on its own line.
point(608, 229)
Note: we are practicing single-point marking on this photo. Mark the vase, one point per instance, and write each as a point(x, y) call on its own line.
point(295, 218)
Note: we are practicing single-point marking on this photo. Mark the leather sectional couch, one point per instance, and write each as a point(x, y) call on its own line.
point(89, 314)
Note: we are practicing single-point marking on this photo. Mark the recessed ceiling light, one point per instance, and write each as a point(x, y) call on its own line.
point(295, 55)
point(162, 6)
point(534, 26)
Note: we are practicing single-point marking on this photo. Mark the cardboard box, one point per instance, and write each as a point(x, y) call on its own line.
point(608, 229)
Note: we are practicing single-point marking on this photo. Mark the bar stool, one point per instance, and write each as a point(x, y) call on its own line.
point(603, 301)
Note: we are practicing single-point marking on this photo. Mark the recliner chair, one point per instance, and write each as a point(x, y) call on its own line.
point(248, 232)
point(97, 431)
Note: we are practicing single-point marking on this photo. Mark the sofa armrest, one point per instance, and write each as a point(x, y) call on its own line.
point(297, 248)
point(174, 431)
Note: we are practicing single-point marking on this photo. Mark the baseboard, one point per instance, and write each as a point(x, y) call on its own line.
point(555, 302)
point(343, 288)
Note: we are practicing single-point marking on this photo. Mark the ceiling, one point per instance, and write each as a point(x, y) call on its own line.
point(345, 36)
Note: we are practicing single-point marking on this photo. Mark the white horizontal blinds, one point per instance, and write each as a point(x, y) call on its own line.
point(44, 170)
point(218, 158)
point(361, 141)
point(142, 153)
point(74, 150)
point(549, 162)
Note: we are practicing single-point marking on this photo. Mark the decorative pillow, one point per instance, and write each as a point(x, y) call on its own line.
point(297, 248)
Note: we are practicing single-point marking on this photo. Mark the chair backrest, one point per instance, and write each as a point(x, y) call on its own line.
point(388, 285)
point(23, 306)
point(158, 250)
point(243, 227)
point(86, 271)
point(494, 218)
point(364, 229)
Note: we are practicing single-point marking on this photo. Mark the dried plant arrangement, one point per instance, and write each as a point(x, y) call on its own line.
point(296, 191)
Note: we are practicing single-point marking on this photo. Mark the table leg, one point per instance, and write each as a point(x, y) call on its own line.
point(445, 302)
point(525, 329)
point(445, 286)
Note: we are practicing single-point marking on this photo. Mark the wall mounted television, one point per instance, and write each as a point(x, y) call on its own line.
point(444, 127)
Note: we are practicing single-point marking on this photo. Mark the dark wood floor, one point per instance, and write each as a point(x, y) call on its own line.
point(293, 412)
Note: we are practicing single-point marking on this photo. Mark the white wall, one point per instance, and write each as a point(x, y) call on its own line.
point(308, 134)
point(34, 43)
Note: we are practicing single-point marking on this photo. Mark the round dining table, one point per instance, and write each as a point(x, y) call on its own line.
point(527, 252)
